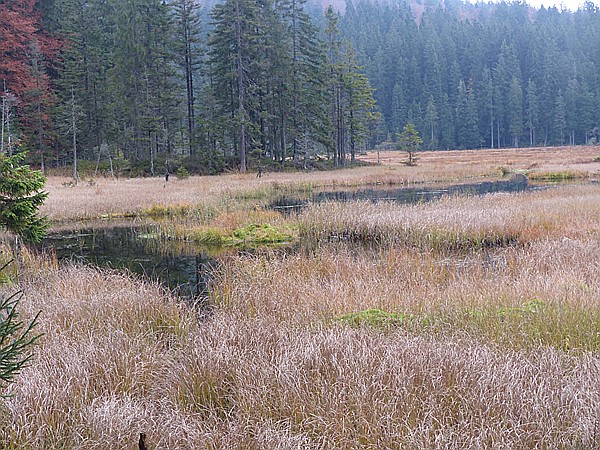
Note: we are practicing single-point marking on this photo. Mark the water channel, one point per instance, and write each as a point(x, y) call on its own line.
point(186, 268)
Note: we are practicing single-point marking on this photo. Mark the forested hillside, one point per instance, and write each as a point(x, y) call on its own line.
point(145, 86)
point(492, 75)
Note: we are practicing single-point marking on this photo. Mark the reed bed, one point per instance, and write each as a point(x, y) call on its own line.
point(121, 358)
point(461, 222)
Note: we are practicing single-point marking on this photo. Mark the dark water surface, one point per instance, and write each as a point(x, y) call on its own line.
point(129, 248)
point(186, 269)
point(408, 195)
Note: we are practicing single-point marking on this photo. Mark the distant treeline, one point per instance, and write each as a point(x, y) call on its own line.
point(483, 75)
point(146, 86)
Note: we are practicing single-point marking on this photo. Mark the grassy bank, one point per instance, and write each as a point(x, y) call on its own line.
point(460, 222)
point(461, 323)
point(273, 367)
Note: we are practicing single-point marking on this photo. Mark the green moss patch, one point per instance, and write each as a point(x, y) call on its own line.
point(566, 175)
point(249, 235)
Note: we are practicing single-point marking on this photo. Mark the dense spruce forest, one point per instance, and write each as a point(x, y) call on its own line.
point(145, 86)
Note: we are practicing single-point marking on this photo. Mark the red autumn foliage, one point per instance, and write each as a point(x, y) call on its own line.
point(26, 53)
point(20, 26)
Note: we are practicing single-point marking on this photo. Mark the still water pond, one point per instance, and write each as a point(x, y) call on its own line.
point(186, 269)
point(128, 247)
point(408, 195)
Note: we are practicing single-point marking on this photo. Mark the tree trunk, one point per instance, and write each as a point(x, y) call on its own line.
point(189, 76)
point(74, 129)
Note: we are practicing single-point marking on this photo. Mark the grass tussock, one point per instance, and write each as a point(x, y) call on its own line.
point(459, 223)
point(514, 297)
point(565, 175)
point(463, 323)
point(231, 229)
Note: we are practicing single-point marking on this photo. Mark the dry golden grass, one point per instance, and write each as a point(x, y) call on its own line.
point(462, 222)
point(499, 346)
point(118, 357)
point(544, 159)
point(515, 297)
point(104, 197)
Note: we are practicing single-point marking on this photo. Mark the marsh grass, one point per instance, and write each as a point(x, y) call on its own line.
point(459, 223)
point(229, 229)
point(119, 357)
point(271, 369)
point(408, 341)
point(105, 197)
point(509, 297)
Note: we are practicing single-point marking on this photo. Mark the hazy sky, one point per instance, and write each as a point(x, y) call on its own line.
point(573, 5)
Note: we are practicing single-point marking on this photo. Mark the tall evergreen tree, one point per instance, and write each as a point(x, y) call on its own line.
point(515, 111)
point(308, 73)
point(142, 79)
point(560, 118)
point(234, 56)
point(431, 118)
point(336, 85)
point(188, 38)
point(466, 117)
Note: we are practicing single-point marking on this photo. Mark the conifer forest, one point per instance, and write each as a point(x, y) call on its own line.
point(144, 86)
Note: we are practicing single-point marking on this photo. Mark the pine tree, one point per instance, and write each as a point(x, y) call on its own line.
point(410, 141)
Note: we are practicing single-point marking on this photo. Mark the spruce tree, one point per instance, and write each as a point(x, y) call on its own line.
point(188, 41)
point(16, 339)
point(410, 141)
point(21, 196)
point(234, 54)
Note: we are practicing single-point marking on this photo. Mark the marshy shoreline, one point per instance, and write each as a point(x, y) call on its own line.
point(464, 322)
